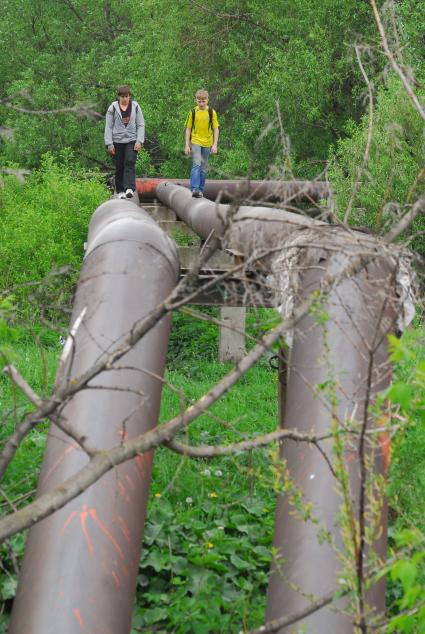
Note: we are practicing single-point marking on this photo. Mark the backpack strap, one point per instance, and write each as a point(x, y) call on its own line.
point(114, 111)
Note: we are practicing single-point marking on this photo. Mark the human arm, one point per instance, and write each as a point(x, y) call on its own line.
point(140, 128)
point(215, 141)
point(109, 124)
point(215, 125)
point(187, 148)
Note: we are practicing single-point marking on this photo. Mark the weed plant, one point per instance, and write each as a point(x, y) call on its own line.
point(207, 546)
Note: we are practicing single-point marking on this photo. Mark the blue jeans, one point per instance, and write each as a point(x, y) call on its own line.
point(200, 156)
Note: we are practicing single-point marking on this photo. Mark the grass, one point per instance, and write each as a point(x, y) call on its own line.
point(207, 547)
point(38, 365)
point(407, 475)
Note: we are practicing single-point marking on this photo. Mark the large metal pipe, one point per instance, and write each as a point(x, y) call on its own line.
point(253, 231)
point(246, 230)
point(338, 361)
point(361, 311)
point(80, 565)
point(227, 190)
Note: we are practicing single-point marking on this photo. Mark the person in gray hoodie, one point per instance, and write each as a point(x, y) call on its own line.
point(124, 137)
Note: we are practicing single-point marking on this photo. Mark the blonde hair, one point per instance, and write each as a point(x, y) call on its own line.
point(201, 94)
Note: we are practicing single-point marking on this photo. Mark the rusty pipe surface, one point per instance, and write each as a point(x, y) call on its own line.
point(80, 564)
point(248, 229)
point(338, 361)
point(228, 190)
point(253, 231)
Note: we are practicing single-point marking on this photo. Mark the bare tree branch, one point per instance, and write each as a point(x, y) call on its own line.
point(212, 451)
point(277, 624)
point(81, 110)
point(20, 382)
point(20, 93)
point(365, 161)
point(414, 99)
point(406, 221)
point(69, 4)
point(19, 173)
point(245, 17)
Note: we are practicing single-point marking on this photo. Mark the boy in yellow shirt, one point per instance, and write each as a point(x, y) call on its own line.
point(201, 138)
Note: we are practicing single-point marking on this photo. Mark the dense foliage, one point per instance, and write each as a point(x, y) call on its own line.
point(394, 175)
point(44, 226)
point(283, 76)
point(292, 61)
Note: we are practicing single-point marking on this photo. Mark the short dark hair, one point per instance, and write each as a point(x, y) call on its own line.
point(123, 90)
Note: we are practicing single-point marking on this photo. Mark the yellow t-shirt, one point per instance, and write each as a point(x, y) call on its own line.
point(202, 134)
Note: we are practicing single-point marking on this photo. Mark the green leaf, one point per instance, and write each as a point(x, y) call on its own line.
point(154, 615)
point(8, 588)
point(239, 563)
point(402, 394)
point(255, 507)
point(406, 571)
point(152, 530)
point(156, 560)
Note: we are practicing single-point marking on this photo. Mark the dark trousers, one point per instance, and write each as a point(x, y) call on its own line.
point(125, 166)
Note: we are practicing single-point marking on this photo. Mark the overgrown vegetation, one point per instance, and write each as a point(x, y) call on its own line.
point(285, 80)
point(44, 226)
point(287, 59)
point(394, 173)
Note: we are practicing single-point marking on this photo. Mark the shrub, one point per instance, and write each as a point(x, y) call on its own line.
point(44, 225)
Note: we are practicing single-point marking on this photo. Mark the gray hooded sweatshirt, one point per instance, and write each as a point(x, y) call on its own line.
point(117, 132)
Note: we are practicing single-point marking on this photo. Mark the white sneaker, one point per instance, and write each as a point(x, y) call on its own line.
point(129, 193)
point(121, 195)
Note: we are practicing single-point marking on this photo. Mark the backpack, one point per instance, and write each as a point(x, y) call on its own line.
point(210, 115)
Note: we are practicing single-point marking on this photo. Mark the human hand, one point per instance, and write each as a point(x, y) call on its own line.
point(187, 150)
point(137, 147)
point(213, 149)
point(111, 150)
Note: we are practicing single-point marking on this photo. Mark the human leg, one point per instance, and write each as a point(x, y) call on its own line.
point(195, 174)
point(205, 155)
point(129, 175)
point(118, 159)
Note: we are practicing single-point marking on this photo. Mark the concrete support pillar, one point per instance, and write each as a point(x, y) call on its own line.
point(232, 334)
